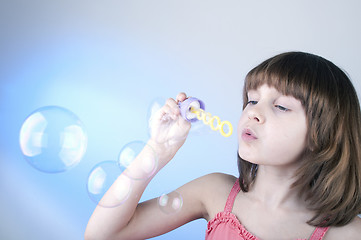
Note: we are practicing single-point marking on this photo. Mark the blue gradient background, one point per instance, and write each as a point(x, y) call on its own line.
point(108, 60)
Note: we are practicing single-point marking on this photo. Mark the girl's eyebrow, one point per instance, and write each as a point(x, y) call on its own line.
point(252, 91)
point(290, 97)
point(292, 100)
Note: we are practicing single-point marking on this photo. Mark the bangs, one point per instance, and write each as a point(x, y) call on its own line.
point(284, 75)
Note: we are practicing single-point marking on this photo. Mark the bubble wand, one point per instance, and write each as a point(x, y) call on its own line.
point(193, 109)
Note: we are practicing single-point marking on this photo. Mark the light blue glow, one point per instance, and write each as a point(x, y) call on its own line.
point(106, 61)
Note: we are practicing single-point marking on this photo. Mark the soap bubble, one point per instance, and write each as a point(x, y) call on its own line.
point(144, 166)
point(170, 203)
point(155, 105)
point(103, 176)
point(53, 139)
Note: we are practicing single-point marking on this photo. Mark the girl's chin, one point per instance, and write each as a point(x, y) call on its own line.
point(246, 156)
point(244, 153)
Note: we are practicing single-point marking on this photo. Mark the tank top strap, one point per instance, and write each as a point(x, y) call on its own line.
point(319, 233)
point(232, 196)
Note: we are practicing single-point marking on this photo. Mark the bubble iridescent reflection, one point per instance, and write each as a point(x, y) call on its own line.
point(144, 166)
point(104, 176)
point(53, 139)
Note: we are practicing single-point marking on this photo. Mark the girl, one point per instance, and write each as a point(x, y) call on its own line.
point(299, 161)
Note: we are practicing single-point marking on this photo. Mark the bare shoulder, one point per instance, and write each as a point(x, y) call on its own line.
point(350, 231)
point(213, 190)
point(217, 183)
point(213, 182)
point(219, 179)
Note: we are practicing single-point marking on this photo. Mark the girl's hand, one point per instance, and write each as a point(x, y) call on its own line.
point(167, 126)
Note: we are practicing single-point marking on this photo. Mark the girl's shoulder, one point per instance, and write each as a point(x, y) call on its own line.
point(350, 231)
point(221, 179)
point(218, 183)
point(215, 188)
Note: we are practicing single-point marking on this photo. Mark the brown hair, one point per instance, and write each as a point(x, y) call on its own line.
point(330, 174)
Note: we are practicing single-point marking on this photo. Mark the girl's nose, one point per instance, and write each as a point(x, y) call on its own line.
point(256, 115)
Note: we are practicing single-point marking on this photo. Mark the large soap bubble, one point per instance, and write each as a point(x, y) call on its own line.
point(139, 159)
point(53, 139)
point(106, 175)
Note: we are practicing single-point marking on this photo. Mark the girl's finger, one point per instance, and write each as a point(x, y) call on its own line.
point(181, 97)
point(173, 106)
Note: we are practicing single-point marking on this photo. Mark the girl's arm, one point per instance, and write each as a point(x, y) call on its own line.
point(131, 220)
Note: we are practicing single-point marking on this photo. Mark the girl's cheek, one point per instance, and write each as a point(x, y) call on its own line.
point(240, 124)
point(240, 127)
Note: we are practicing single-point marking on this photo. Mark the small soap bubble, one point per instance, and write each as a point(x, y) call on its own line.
point(106, 175)
point(155, 105)
point(170, 203)
point(138, 168)
point(53, 139)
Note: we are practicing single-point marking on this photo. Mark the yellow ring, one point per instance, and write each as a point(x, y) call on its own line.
point(222, 130)
point(212, 121)
point(205, 120)
point(199, 113)
point(202, 116)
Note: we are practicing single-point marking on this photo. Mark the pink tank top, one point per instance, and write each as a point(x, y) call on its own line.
point(225, 225)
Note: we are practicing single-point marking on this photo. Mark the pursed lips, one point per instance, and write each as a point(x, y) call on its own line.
point(248, 135)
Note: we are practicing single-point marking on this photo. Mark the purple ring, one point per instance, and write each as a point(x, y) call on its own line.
point(185, 107)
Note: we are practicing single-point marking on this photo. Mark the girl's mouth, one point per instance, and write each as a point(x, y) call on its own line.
point(248, 135)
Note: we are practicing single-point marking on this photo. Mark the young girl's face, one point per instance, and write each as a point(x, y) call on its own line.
point(272, 129)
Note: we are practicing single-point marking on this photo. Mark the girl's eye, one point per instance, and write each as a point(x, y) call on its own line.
point(252, 102)
point(281, 108)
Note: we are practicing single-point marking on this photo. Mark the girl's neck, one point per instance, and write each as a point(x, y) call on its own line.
point(273, 188)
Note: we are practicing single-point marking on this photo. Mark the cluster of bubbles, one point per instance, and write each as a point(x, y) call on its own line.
point(53, 140)
point(119, 175)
